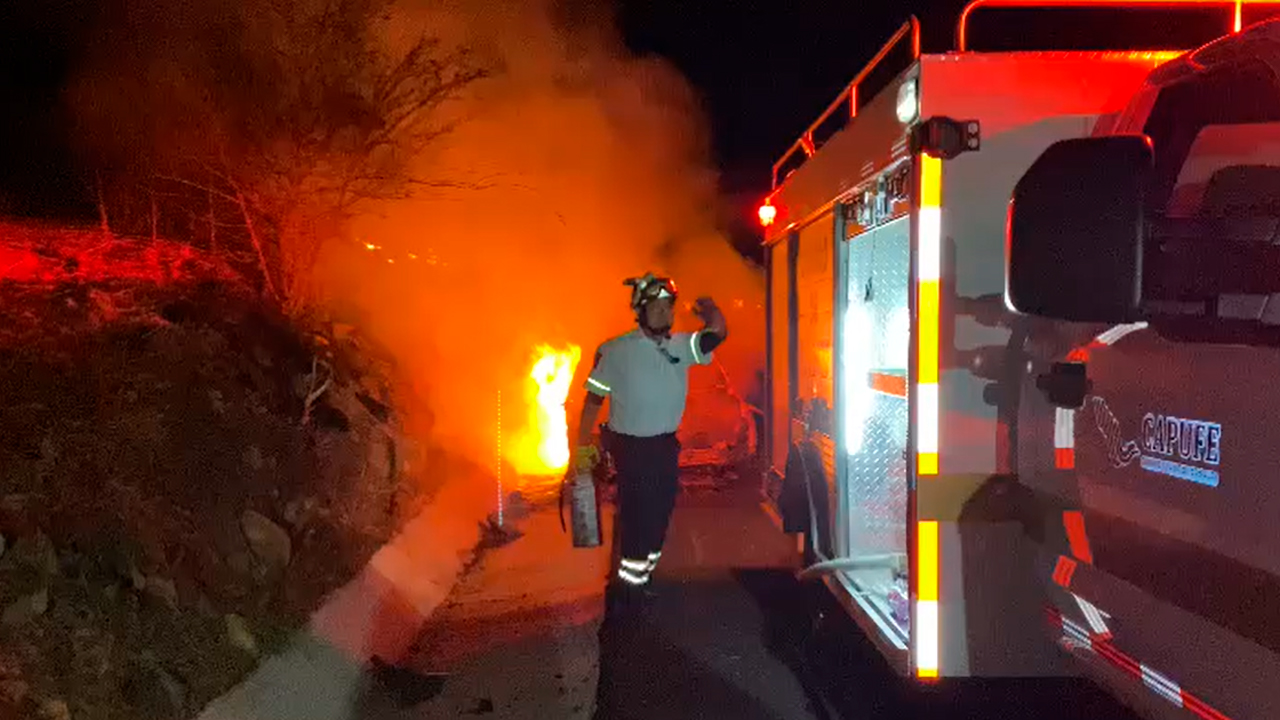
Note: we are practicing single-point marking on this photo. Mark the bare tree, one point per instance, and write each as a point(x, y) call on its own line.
point(290, 113)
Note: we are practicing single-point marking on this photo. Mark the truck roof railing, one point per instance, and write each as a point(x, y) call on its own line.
point(849, 96)
point(911, 29)
point(1236, 6)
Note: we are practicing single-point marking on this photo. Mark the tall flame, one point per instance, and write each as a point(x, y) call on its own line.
point(542, 446)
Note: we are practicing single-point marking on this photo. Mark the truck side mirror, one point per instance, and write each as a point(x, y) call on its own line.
point(1076, 230)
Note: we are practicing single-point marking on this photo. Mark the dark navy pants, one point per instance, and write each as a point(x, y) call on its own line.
point(648, 481)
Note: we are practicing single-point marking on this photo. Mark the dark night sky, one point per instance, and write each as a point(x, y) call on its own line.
point(767, 68)
point(764, 68)
point(36, 51)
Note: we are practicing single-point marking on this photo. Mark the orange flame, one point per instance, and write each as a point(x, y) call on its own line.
point(541, 448)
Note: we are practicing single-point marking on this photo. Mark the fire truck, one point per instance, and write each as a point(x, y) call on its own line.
point(1020, 338)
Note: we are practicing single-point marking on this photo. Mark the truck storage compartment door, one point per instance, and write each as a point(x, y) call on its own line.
point(812, 420)
point(875, 343)
point(780, 341)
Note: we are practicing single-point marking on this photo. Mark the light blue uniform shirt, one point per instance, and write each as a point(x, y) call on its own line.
point(646, 388)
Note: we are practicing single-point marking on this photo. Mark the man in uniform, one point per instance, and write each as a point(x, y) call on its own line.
point(645, 376)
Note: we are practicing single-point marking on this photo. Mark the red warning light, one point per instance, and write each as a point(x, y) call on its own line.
point(768, 213)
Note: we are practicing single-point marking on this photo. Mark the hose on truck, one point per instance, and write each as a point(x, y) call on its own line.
point(834, 565)
point(827, 567)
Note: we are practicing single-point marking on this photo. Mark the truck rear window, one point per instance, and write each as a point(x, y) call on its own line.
point(1221, 101)
point(1230, 171)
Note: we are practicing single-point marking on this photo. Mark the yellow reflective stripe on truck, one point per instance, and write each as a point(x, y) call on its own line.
point(926, 625)
point(926, 633)
point(928, 295)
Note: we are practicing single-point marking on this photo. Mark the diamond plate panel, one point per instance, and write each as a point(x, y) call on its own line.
point(877, 482)
point(827, 448)
point(876, 475)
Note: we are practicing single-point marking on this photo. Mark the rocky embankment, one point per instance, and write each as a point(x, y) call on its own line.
point(184, 474)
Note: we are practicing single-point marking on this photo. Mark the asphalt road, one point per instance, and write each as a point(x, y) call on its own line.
point(730, 634)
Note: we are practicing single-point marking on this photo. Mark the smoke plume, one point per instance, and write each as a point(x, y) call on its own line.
point(586, 165)
point(571, 166)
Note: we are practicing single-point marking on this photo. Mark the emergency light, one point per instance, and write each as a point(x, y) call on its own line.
point(908, 104)
point(768, 213)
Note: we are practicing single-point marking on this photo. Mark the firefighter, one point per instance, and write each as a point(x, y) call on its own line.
point(644, 373)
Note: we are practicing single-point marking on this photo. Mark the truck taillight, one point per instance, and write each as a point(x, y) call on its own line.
point(768, 213)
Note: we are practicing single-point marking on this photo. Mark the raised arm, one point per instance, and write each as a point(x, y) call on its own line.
point(714, 328)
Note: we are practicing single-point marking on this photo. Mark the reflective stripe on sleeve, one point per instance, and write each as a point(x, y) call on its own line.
point(599, 385)
point(693, 345)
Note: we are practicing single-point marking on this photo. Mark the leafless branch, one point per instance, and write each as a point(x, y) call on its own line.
point(102, 205)
point(326, 125)
point(257, 246)
point(199, 186)
point(213, 226)
point(314, 392)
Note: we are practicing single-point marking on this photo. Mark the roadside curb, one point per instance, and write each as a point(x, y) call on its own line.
point(380, 612)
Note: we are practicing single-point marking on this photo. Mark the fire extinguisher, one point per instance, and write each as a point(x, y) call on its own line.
point(584, 509)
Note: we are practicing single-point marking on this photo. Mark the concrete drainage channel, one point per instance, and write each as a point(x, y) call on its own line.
point(322, 674)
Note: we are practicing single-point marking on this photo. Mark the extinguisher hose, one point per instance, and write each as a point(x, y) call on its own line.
point(563, 483)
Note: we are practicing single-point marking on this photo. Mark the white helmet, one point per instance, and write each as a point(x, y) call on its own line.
point(650, 287)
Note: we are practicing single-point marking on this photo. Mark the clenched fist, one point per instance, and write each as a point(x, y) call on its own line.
point(707, 311)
